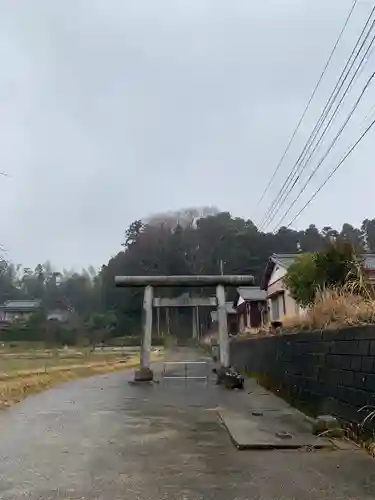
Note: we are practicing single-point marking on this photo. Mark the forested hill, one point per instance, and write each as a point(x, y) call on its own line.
point(187, 242)
point(190, 245)
point(196, 246)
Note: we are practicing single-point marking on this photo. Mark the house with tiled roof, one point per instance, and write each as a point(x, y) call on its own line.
point(250, 313)
point(253, 310)
point(280, 303)
point(12, 310)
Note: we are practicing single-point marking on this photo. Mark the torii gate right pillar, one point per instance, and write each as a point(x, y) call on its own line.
point(223, 326)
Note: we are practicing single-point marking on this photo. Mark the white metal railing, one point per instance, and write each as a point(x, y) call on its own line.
point(186, 376)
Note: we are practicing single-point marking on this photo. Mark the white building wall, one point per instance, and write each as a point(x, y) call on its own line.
point(276, 290)
point(277, 274)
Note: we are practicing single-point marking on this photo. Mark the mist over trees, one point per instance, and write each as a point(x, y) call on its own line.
point(190, 241)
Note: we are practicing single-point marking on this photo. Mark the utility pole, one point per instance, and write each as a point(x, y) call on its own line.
point(158, 316)
point(197, 321)
point(221, 267)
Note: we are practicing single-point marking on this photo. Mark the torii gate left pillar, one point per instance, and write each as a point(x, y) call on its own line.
point(144, 373)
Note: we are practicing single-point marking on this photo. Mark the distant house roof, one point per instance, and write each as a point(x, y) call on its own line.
point(21, 305)
point(252, 293)
point(277, 259)
point(284, 259)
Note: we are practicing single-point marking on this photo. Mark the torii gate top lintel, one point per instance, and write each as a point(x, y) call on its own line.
point(185, 280)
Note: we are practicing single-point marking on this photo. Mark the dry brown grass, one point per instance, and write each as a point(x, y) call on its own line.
point(335, 308)
point(38, 360)
point(16, 385)
point(351, 305)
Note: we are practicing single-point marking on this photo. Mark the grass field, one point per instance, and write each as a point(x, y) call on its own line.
point(42, 359)
point(25, 372)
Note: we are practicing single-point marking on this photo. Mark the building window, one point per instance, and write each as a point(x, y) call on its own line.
point(284, 305)
point(275, 309)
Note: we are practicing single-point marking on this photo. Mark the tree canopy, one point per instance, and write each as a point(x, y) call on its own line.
point(191, 241)
point(301, 279)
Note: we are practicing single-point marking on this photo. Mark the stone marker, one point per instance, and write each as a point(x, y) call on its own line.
point(143, 374)
point(325, 423)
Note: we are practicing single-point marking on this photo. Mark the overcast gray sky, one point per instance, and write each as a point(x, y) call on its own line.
point(111, 110)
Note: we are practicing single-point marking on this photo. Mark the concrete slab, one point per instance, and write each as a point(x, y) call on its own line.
point(274, 429)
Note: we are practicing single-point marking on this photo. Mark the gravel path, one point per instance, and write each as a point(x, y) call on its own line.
point(102, 438)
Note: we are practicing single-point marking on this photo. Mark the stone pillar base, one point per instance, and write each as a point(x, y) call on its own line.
point(143, 375)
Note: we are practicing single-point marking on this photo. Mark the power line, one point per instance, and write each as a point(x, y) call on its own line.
point(308, 105)
point(298, 167)
point(283, 192)
point(303, 167)
point(329, 149)
point(347, 154)
point(368, 116)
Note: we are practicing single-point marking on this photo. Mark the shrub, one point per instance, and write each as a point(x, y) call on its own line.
point(333, 267)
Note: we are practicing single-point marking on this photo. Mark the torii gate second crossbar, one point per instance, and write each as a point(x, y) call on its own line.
point(149, 282)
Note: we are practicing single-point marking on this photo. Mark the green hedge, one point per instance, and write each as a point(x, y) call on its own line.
point(65, 335)
point(12, 334)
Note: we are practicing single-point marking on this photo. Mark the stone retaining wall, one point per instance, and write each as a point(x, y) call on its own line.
point(324, 372)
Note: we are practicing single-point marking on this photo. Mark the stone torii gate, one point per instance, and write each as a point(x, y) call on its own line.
point(149, 282)
point(184, 301)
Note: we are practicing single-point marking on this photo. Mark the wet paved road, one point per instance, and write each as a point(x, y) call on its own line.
point(101, 438)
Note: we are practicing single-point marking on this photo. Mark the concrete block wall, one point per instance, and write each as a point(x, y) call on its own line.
point(324, 372)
